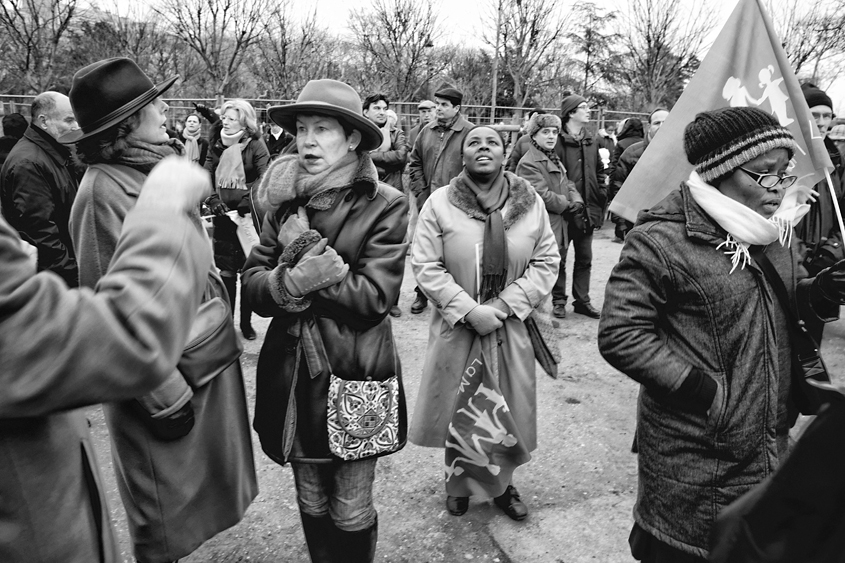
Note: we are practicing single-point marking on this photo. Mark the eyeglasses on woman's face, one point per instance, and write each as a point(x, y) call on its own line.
point(770, 181)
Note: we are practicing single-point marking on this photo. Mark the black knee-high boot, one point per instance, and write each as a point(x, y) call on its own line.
point(246, 318)
point(320, 536)
point(360, 546)
point(231, 288)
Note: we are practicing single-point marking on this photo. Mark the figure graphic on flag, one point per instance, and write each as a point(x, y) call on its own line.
point(485, 255)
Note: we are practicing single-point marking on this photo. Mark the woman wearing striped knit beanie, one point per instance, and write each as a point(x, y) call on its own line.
point(689, 314)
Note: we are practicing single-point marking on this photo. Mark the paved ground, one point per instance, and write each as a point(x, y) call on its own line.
point(580, 485)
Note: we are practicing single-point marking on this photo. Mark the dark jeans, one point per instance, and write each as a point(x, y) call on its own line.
point(583, 244)
point(343, 490)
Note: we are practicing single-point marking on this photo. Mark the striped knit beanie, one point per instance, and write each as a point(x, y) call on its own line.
point(720, 141)
point(540, 120)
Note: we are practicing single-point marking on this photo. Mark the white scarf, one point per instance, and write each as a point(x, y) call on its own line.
point(192, 150)
point(229, 140)
point(744, 225)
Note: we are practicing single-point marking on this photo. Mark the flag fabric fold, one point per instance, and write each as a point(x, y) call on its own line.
point(483, 447)
point(746, 66)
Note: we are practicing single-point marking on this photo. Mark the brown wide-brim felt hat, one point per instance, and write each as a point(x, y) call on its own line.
point(107, 92)
point(334, 99)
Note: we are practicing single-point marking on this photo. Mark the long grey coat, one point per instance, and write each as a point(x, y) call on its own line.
point(177, 494)
point(61, 350)
point(444, 260)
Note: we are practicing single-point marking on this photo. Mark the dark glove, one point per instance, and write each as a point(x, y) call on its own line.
point(244, 207)
point(216, 205)
point(830, 283)
point(169, 428)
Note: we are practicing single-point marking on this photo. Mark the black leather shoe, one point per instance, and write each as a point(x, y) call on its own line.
point(559, 311)
point(420, 303)
point(587, 310)
point(395, 311)
point(511, 504)
point(457, 506)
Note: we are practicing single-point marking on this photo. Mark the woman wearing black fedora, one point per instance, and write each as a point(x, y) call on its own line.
point(182, 454)
point(327, 270)
point(237, 157)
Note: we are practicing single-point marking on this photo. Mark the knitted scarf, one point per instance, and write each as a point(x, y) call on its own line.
point(286, 180)
point(229, 140)
point(385, 136)
point(192, 149)
point(143, 156)
point(494, 259)
point(744, 225)
point(444, 126)
point(550, 154)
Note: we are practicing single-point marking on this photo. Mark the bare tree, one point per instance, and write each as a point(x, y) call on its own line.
point(662, 40)
point(394, 37)
point(290, 53)
point(529, 38)
point(221, 32)
point(34, 29)
point(593, 46)
point(811, 31)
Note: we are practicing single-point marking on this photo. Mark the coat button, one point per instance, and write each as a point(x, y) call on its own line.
point(348, 197)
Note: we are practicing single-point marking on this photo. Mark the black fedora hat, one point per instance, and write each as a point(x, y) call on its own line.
point(108, 91)
point(335, 99)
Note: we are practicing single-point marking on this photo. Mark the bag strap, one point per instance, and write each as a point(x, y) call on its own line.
point(804, 341)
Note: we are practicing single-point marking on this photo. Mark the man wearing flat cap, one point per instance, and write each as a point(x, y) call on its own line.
point(426, 111)
point(436, 157)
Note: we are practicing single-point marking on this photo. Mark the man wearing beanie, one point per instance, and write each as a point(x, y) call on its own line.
point(436, 157)
point(693, 312)
point(579, 154)
point(819, 230)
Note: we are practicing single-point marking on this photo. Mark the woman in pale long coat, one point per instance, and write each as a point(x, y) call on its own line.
point(182, 489)
point(451, 226)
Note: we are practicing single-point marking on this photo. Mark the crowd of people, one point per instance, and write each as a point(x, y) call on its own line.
point(114, 293)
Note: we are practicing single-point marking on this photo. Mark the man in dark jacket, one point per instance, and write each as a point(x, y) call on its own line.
point(38, 185)
point(390, 158)
point(436, 157)
point(580, 155)
point(626, 163)
point(426, 111)
point(819, 230)
point(14, 126)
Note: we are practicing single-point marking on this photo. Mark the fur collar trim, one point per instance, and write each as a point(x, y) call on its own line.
point(520, 199)
point(278, 182)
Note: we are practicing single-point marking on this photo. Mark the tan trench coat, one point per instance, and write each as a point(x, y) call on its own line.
point(177, 494)
point(444, 260)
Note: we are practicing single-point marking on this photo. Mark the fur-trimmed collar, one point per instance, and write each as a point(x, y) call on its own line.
point(520, 199)
point(277, 184)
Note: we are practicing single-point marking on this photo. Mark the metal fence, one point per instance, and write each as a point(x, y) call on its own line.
point(508, 119)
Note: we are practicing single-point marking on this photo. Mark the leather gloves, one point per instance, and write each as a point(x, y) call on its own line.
point(216, 205)
point(320, 267)
point(293, 226)
point(484, 319)
point(830, 283)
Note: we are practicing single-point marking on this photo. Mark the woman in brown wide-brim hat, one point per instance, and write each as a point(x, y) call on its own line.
point(182, 454)
point(327, 270)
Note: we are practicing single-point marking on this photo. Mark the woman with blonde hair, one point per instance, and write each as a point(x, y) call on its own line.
point(237, 157)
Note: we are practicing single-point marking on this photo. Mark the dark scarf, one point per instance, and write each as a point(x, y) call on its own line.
point(550, 153)
point(494, 259)
point(144, 156)
point(442, 127)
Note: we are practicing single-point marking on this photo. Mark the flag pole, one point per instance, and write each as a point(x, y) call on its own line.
point(835, 203)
